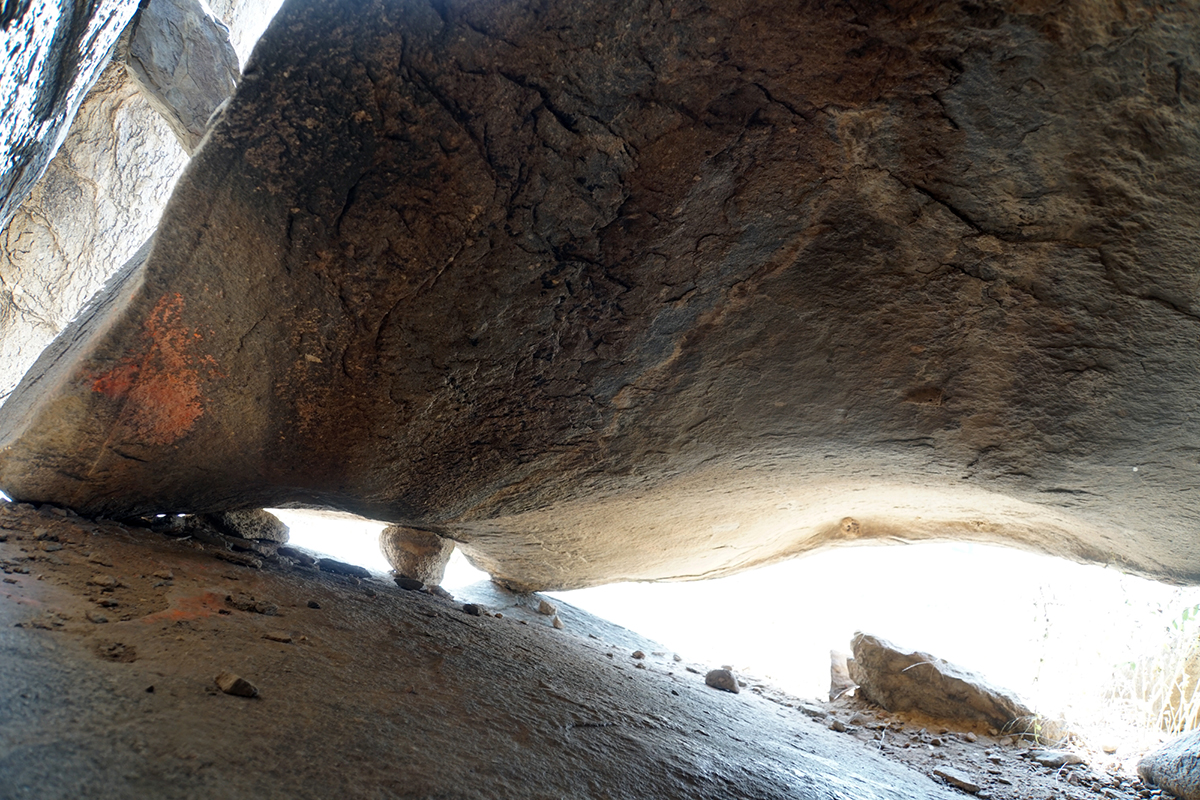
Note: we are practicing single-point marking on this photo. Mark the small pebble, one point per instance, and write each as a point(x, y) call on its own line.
point(547, 609)
point(408, 584)
point(230, 683)
point(165, 574)
point(96, 617)
point(557, 623)
point(638, 654)
point(104, 581)
point(970, 737)
point(472, 609)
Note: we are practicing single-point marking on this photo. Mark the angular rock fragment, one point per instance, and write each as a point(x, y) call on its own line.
point(229, 683)
point(342, 568)
point(414, 553)
point(905, 680)
point(55, 51)
point(408, 584)
point(256, 524)
point(182, 59)
point(1175, 766)
point(722, 679)
point(957, 780)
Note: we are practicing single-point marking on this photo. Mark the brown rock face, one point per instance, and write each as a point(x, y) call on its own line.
point(905, 680)
point(631, 291)
point(53, 52)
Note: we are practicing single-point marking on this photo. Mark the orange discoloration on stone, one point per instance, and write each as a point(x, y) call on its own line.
point(160, 383)
point(195, 606)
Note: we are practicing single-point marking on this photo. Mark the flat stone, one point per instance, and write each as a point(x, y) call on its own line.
point(182, 58)
point(414, 553)
point(229, 683)
point(407, 583)
point(255, 524)
point(1175, 766)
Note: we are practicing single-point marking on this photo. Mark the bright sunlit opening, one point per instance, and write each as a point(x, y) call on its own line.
point(1089, 644)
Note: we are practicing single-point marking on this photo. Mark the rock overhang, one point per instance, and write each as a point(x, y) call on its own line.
point(610, 292)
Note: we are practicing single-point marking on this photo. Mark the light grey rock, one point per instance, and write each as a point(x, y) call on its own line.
point(414, 553)
point(54, 50)
point(957, 779)
point(722, 679)
point(1054, 759)
point(945, 294)
point(230, 683)
point(181, 57)
point(905, 680)
point(1175, 767)
point(839, 674)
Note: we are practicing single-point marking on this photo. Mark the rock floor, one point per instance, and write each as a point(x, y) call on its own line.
point(112, 637)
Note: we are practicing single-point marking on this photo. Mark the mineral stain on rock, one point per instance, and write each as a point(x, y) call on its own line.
point(159, 384)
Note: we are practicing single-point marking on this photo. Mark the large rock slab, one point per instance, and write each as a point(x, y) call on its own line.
point(906, 680)
point(621, 291)
point(1175, 766)
point(422, 699)
point(183, 60)
point(53, 52)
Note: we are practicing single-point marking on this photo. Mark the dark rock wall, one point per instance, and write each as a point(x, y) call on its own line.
point(641, 290)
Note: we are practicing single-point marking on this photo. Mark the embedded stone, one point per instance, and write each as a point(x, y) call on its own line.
point(416, 554)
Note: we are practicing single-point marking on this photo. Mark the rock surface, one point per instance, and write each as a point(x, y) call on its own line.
point(904, 680)
point(478, 707)
point(53, 52)
point(722, 679)
point(182, 59)
point(1175, 766)
point(621, 291)
point(98, 202)
point(257, 524)
point(415, 553)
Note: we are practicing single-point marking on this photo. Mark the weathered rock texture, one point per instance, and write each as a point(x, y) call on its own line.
point(98, 202)
point(614, 291)
point(53, 53)
point(377, 692)
point(906, 680)
point(416, 554)
point(182, 59)
point(1175, 766)
point(256, 524)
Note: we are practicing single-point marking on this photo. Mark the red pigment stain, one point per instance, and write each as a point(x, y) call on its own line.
point(160, 381)
point(192, 607)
